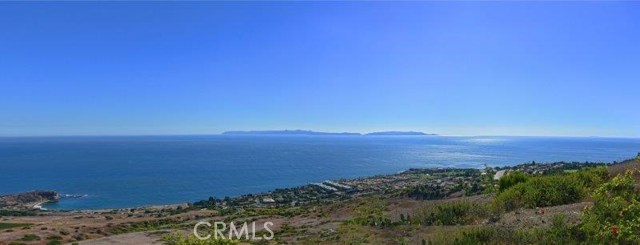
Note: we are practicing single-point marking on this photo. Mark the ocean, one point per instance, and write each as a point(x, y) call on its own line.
point(132, 171)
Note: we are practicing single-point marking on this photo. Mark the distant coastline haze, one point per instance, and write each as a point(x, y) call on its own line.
point(315, 133)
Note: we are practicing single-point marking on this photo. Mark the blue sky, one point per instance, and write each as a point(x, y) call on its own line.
point(455, 68)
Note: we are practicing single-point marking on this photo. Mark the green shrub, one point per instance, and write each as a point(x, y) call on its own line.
point(451, 213)
point(179, 239)
point(427, 192)
point(17, 213)
point(511, 179)
point(560, 234)
point(550, 190)
point(371, 213)
point(372, 220)
point(54, 237)
point(541, 192)
point(30, 237)
point(54, 242)
point(489, 235)
point(615, 214)
point(12, 225)
point(591, 177)
point(614, 217)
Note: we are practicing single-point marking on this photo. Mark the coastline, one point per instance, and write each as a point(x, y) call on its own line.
point(321, 207)
point(38, 206)
point(271, 163)
point(329, 190)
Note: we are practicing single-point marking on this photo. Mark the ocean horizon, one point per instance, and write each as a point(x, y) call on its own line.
point(134, 171)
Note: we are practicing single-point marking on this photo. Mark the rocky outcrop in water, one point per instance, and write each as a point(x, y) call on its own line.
point(26, 200)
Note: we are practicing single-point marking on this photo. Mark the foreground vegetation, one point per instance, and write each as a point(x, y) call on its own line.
point(612, 219)
point(569, 204)
point(180, 239)
point(611, 214)
point(520, 191)
point(4, 226)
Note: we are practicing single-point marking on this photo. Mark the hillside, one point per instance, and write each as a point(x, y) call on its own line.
point(543, 204)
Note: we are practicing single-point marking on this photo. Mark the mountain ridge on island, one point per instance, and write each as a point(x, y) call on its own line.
point(310, 132)
point(285, 132)
point(400, 133)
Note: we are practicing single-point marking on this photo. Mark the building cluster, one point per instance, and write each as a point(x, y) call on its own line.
point(418, 183)
point(534, 168)
point(445, 179)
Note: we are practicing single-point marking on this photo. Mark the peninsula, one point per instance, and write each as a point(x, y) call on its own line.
point(27, 200)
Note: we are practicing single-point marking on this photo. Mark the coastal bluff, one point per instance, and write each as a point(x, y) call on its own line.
point(27, 200)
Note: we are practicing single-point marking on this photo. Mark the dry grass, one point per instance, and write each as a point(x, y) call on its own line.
point(620, 168)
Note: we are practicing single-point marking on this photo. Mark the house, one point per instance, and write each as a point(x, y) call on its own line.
point(499, 174)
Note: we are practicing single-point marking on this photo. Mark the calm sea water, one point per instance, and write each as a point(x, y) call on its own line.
point(117, 172)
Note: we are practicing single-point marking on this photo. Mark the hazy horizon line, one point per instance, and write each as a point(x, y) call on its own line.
point(331, 134)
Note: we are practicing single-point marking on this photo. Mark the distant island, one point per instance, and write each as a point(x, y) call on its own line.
point(399, 133)
point(284, 132)
point(309, 132)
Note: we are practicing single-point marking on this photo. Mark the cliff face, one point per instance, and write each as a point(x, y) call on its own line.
point(27, 199)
